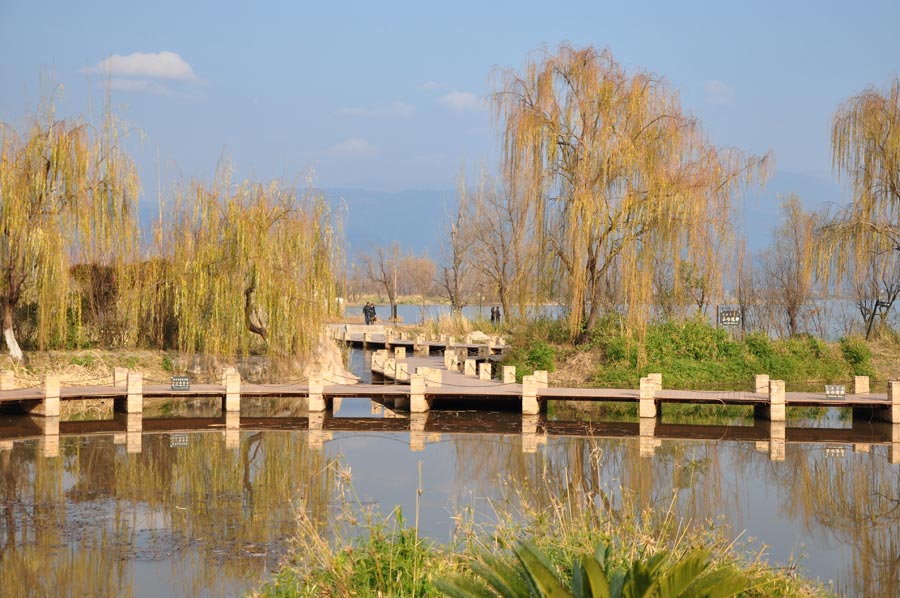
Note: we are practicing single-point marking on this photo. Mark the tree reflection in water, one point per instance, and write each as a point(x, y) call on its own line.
point(97, 520)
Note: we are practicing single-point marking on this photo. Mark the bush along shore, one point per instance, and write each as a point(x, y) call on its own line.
point(691, 354)
point(540, 542)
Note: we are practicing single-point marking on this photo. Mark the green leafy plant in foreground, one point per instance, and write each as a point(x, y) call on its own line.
point(531, 573)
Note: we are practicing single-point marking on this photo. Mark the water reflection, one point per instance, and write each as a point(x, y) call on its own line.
point(206, 505)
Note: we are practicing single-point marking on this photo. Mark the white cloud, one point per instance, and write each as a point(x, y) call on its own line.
point(139, 85)
point(396, 108)
point(460, 100)
point(355, 146)
point(159, 65)
point(432, 85)
point(718, 93)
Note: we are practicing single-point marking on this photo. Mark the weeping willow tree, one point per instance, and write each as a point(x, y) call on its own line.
point(67, 193)
point(249, 267)
point(865, 142)
point(614, 173)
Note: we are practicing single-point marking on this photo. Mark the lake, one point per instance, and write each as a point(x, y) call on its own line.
point(184, 509)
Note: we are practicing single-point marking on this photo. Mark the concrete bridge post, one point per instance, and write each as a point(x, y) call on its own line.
point(484, 371)
point(120, 377)
point(420, 346)
point(49, 405)
point(509, 374)
point(761, 384)
point(542, 378)
point(647, 398)
point(232, 400)
point(860, 385)
point(402, 371)
point(469, 367)
point(316, 395)
point(134, 393)
point(399, 353)
point(417, 401)
point(530, 405)
point(390, 368)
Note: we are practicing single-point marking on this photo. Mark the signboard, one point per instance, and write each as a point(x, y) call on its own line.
point(181, 383)
point(730, 316)
point(835, 391)
point(176, 440)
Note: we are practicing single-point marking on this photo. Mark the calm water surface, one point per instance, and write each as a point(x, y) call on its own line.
point(209, 512)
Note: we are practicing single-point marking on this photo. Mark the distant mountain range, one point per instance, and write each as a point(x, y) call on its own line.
point(418, 218)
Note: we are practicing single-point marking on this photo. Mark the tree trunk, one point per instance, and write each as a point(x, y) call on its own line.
point(9, 334)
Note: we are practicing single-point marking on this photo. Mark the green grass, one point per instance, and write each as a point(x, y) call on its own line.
point(695, 355)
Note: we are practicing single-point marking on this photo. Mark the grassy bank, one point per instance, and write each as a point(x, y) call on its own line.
point(691, 355)
point(361, 553)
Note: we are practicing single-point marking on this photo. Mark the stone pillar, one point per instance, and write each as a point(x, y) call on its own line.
point(403, 371)
point(657, 380)
point(120, 377)
point(49, 405)
point(316, 396)
point(647, 405)
point(530, 405)
point(761, 384)
point(7, 380)
point(419, 345)
point(860, 385)
point(647, 440)
point(399, 353)
point(390, 368)
point(232, 401)
point(484, 371)
point(542, 377)
point(777, 439)
point(891, 414)
point(469, 367)
point(134, 400)
point(417, 423)
point(433, 377)
point(417, 401)
point(776, 401)
point(509, 374)
point(367, 339)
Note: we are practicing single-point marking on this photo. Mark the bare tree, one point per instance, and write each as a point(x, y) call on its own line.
point(419, 272)
point(789, 263)
point(877, 286)
point(383, 267)
point(504, 245)
point(456, 265)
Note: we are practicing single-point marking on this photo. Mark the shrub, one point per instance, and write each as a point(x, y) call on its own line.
point(857, 355)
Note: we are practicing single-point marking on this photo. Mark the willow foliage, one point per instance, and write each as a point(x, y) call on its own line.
point(248, 266)
point(614, 173)
point(865, 141)
point(67, 193)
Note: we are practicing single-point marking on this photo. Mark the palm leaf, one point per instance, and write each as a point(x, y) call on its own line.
point(540, 573)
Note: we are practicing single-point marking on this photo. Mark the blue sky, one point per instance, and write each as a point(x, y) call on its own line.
point(388, 96)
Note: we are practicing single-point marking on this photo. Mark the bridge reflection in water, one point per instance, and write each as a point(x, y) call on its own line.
point(772, 437)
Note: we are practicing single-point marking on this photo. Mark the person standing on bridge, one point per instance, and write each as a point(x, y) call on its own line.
point(367, 314)
point(496, 316)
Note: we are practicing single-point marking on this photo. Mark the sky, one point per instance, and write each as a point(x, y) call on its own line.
point(390, 96)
